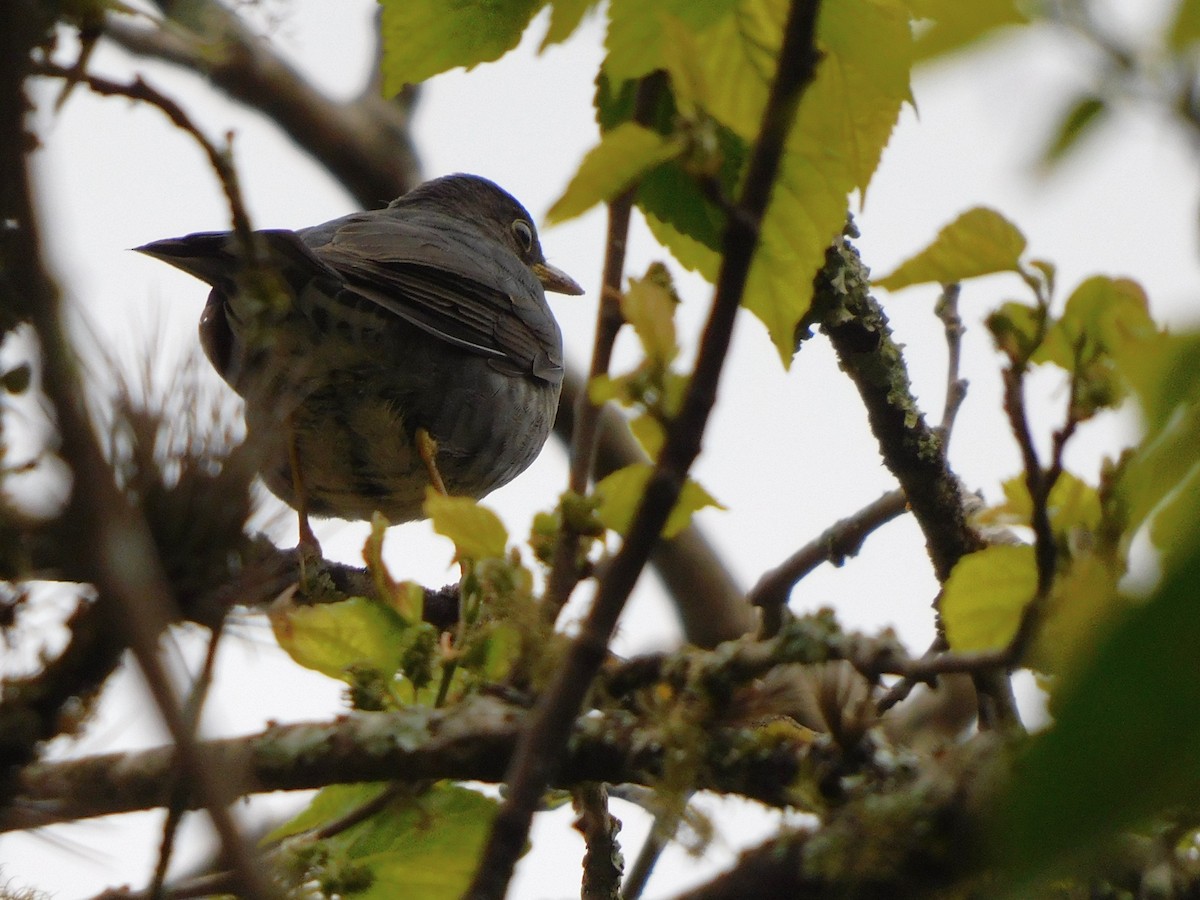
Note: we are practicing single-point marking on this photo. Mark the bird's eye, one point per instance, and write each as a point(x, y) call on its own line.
point(524, 234)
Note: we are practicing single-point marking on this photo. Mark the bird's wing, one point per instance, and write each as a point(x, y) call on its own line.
point(436, 276)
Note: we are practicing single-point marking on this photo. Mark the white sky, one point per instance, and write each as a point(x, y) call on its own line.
point(788, 451)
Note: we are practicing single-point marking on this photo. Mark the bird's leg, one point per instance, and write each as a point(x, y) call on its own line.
point(427, 448)
point(308, 545)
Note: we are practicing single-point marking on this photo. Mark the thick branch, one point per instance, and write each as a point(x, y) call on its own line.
point(858, 329)
point(471, 741)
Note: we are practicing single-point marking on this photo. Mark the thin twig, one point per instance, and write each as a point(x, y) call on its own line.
point(602, 863)
point(564, 570)
point(844, 538)
point(542, 742)
point(138, 90)
point(956, 387)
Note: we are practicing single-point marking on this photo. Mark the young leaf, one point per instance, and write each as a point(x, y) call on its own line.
point(1080, 118)
point(979, 242)
point(956, 25)
point(333, 637)
point(422, 38)
point(621, 493)
point(565, 16)
point(985, 595)
point(477, 532)
point(649, 307)
point(621, 157)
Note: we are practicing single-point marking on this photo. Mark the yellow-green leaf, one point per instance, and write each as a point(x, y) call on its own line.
point(635, 32)
point(477, 532)
point(1185, 30)
point(332, 637)
point(621, 493)
point(844, 121)
point(1081, 118)
point(649, 433)
point(954, 25)
point(985, 595)
point(565, 16)
point(621, 157)
point(1082, 606)
point(979, 242)
point(423, 38)
point(649, 306)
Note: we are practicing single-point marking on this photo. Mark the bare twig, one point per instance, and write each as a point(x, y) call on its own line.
point(956, 387)
point(843, 538)
point(138, 90)
point(365, 143)
point(539, 746)
point(602, 863)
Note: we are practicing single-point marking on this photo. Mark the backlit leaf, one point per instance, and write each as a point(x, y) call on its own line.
point(985, 595)
point(422, 39)
point(979, 242)
point(621, 493)
point(622, 156)
point(333, 637)
point(477, 532)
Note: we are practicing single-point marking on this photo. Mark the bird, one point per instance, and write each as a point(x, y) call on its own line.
point(386, 351)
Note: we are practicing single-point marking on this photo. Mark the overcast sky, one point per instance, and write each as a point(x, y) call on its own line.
point(788, 451)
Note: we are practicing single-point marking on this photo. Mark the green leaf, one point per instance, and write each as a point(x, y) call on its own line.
point(427, 848)
point(648, 305)
point(1185, 30)
point(565, 16)
point(955, 25)
point(422, 38)
point(1017, 329)
point(842, 126)
point(621, 493)
point(979, 242)
point(1125, 743)
point(416, 846)
point(331, 638)
point(635, 39)
point(330, 803)
point(985, 595)
point(621, 158)
point(477, 532)
point(1080, 118)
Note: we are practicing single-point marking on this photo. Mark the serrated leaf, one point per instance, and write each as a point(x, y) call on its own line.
point(330, 638)
point(565, 16)
point(984, 597)
point(623, 155)
point(621, 493)
point(979, 242)
point(422, 38)
point(477, 532)
point(955, 25)
point(844, 121)
point(635, 32)
point(1080, 119)
point(1125, 739)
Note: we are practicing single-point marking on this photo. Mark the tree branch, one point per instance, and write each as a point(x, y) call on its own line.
point(534, 763)
point(365, 144)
